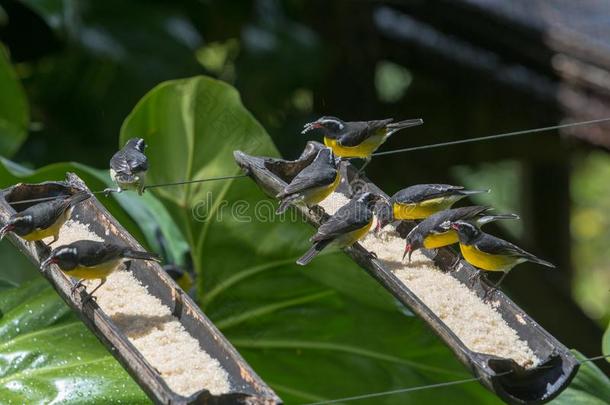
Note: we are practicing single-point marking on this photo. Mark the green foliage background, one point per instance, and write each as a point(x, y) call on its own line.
point(325, 332)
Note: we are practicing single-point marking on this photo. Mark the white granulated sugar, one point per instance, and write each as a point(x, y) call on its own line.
point(160, 337)
point(73, 231)
point(333, 202)
point(476, 323)
point(151, 328)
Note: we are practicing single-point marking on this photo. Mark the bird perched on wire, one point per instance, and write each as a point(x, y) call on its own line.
point(44, 219)
point(88, 260)
point(357, 139)
point(435, 231)
point(313, 184)
point(128, 167)
point(420, 201)
point(490, 253)
point(350, 223)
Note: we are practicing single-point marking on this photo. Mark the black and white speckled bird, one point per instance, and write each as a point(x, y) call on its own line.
point(357, 139)
point(128, 166)
point(348, 225)
point(44, 219)
point(420, 201)
point(435, 231)
point(313, 184)
point(87, 260)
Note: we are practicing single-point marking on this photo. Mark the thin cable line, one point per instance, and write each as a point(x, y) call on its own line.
point(403, 390)
point(490, 137)
point(606, 356)
point(43, 199)
point(425, 387)
point(178, 183)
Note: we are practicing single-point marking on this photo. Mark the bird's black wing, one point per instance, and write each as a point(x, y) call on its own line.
point(357, 132)
point(129, 162)
point(351, 217)
point(92, 253)
point(119, 164)
point(496, 246)
point(433, 222)
point(309, 179)
point(321, 172)
point(137, 161)
point(46, 213)
point(422, 192)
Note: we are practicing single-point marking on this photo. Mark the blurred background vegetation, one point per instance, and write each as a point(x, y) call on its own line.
point(85, 64)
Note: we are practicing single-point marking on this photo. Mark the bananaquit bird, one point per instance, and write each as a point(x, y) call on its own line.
point(44, 219)
point(128, 166)
point(357, 139)
point(350, 223)
point(87, 260)
point(435, 231)
point(313, 184)
point(420, 201)
point(489, 253)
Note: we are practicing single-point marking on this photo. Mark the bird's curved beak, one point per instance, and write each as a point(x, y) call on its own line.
point(50, 260)
point(310, 127)
point(6, 228)
point(408, 251)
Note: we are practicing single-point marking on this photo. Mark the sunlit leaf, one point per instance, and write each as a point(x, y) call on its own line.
point(47, 356)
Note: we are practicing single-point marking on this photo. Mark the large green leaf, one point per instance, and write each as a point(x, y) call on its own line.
point(14, 112)
point(322, 332)
point(606, 343)
point(590, 386)
point(47, 356)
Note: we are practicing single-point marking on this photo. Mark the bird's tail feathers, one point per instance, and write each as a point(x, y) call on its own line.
point(313, 252)
point(537, 260)
point(78, 198)
point(490, 218)
point(472, 192)
point(140, 255)
point(397, 126)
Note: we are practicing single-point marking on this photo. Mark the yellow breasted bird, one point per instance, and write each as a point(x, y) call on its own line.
point(357, 139)
point(420, 201)
point(44, 219)
point(87, 260)
point(435, 231)
point(128, 166)
point(350, 223)
point(489, 253)
point(313, 184)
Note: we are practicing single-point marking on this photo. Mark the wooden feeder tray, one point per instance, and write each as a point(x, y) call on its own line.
point(246, 386)
point(507, 379)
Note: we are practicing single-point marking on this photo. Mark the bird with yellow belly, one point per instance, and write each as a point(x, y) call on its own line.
point(357, 139)
point(420, 201)
point(435, 231)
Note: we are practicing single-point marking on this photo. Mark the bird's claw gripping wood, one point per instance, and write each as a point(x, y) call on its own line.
point(76, 286)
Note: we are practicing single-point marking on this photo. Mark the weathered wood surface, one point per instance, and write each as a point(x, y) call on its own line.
point(558, 365)
point(246, 386)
